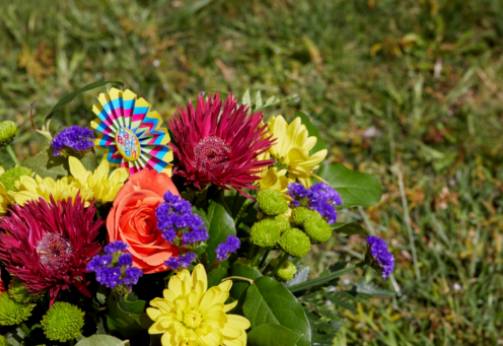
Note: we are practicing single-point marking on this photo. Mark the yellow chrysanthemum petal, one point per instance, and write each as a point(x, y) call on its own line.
point(78, 170)
point(291, 149)
point(100, 185)
point(32, 188)
point(191, 314)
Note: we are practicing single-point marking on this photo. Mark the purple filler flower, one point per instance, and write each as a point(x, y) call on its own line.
point(175, 218)
point(73, 137)
point(380, 256)
point(319, 197)
point(324, 199)
point(115, 266)
point(230, 245)
point(181, 261)
point(299, 193)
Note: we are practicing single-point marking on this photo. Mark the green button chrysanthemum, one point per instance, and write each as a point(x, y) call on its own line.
point(301, 214)
point(272, 202)
point(295, 242)
point(63, 322)
point(9, 178)
point(287, 271)
point(13, 313)
point(8, 130)
point(317, 228)
point(266, 233)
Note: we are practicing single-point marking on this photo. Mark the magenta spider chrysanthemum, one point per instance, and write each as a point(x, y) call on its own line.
point(47, 245)
point(219, 143)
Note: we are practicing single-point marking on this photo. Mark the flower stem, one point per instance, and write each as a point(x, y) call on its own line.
point(12, 155)
point(240, 278)
point(264, 258)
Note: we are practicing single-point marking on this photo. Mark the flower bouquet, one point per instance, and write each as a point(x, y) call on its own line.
point(204, 228)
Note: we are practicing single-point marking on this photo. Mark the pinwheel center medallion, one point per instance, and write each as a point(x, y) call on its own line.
point(128, 144)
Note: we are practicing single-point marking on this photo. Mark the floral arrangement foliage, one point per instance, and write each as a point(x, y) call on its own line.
point(193, 229)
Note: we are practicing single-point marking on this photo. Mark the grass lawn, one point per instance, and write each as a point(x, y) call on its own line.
point(411, 91)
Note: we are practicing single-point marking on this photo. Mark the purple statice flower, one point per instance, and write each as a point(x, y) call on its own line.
point(181, 261)
point(319, 197)
point(114, 267)
point(299, 193)
point(324, 200)
point(230, 245)
point(380, 256)
point(176, 220)
point(73, 137)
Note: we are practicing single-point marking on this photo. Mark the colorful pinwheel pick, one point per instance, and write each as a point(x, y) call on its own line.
point(131, 131)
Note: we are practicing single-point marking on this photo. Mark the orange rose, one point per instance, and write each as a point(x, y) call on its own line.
point(132, 220)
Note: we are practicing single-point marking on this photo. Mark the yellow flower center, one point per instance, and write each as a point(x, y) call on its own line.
point(192, 319)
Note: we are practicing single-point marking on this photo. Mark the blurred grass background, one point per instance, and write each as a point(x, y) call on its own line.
point(411, 91)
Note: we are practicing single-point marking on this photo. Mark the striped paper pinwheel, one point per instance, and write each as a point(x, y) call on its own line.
point(131, 132)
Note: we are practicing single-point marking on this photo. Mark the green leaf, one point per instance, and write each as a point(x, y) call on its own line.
point(355, 188)
point(216, 275)
point(313, 131)
point(126, 315)
point(350, 228)
point(269, 334)
point(102, 340)
point(221, 225)
point(67, 98)
point(320, 281)
point(245, 270)
point(45, 165)
point(269, 302)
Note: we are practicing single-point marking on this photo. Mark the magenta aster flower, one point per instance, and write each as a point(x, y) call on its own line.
point(47, 245)
point(219, 143)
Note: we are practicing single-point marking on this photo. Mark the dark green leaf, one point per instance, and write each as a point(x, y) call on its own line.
point(321, 281)
point(221, 225)
point(355, 188)
point(246, 271)
point(217, 274)
point(313, 131)
point(67, 98)
point(271, 334)
point(102, 340)
point(126, 315)
point(45, 165)
point(350, 228)
point(269, 302)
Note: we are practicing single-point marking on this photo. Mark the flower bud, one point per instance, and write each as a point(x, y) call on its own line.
point(9, 178)
point(8, 130)
point(301, 214)
point(295, 242)
point(266, 233)
point(317, 228)
point(13, 313)
point(272, 202)
point(63, 322)
point(286, 271)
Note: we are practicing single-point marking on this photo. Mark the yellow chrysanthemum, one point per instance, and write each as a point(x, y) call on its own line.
point(275, 179)
point(32, 188)
point(191, 314)
point(292, 150)
point(100, 185)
